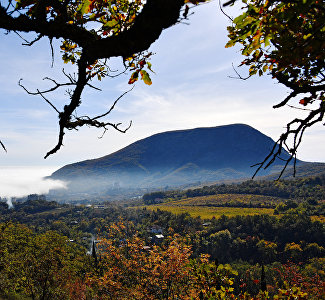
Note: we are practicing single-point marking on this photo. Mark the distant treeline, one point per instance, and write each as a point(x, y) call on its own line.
point(47, 255)
point(253, 239)
point(310, 188)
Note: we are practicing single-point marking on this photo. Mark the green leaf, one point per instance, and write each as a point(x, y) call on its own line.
point(145, 77)
point(230, 43)
point(110, 24)
point(305, 37)
point(267, 41)
point(84, 7)
point(149, 66)
point(240, 18)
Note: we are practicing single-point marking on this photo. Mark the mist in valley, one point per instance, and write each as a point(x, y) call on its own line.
point(20, 181)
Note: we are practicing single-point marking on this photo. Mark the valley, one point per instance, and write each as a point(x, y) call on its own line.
point(229, 234)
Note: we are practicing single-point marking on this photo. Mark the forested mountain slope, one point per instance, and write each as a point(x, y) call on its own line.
point(175, 158)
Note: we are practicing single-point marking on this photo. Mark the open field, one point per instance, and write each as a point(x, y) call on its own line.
point(208, 212)
point(223, 204)
point(55, 211)
point(234, 200)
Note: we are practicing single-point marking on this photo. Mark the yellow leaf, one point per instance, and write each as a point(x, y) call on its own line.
point(145, 77)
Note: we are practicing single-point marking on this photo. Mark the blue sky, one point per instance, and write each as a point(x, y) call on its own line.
point(191, 88)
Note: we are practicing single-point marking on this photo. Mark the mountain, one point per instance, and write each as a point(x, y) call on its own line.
point(174, 158)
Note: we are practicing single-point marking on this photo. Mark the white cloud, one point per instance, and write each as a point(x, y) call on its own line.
point(21, 181)
point(190, 89)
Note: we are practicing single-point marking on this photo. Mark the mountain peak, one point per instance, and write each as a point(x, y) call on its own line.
point(176, 157)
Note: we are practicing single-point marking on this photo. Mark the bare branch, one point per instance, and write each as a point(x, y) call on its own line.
point(69, 76)
point(238, 75)
point(299, 108)
point(48, 101)
point(286, 100)
point(220, 6)
point(65, 116)
point(56, 86)
point(113, 106)
point(3, 146)
point(33, 41)
point(20, 36)
point(79, 122)
point(58, 145)
point(230, 2)
point(94, 87)
point(294, 129)
point(52, 52)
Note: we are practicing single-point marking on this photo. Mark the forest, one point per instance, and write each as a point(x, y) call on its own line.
point(122, 250)
point(135, 250)
point(300, 189)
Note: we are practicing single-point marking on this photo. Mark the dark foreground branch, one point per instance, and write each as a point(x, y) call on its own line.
point(295, 131)
point(68, 120)
point(152, 19)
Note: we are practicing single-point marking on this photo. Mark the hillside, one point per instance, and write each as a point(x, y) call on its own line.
point(174, 158)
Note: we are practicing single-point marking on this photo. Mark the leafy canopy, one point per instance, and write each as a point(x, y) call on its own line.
point(286, 39)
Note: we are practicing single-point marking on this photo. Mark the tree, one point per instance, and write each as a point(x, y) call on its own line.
point(282, 38)
point(268, 250)
point(38, 266)
point(285, 39)
point(91, 32)
point(127, 269)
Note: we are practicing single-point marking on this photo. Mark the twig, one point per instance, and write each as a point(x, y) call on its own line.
point(239, 76)
point(299, 108)
point(48, 101)
point(220, 6)
point(57, 85)
point(3, 146)
point(34, 41)
point(112, 107)
point(52, 52)
point(296, 128)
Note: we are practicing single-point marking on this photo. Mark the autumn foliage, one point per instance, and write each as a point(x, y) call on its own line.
point(285, 39)
point(128, 270)
point(48, 266)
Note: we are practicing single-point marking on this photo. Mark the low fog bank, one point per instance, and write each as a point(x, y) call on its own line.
point(22, 181)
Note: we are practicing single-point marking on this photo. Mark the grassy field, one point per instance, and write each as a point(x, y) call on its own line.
point(207, 212)
point(224, 204)
point(54, 211)
point(217, 205)
point(231, 199)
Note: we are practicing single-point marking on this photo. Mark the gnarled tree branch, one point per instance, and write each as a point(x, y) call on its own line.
point(152, 19)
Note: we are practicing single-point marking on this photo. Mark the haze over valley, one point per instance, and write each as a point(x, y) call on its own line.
point(172, 159)
point(168, 160)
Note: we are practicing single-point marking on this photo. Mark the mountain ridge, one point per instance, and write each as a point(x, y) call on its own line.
point(175, 158)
